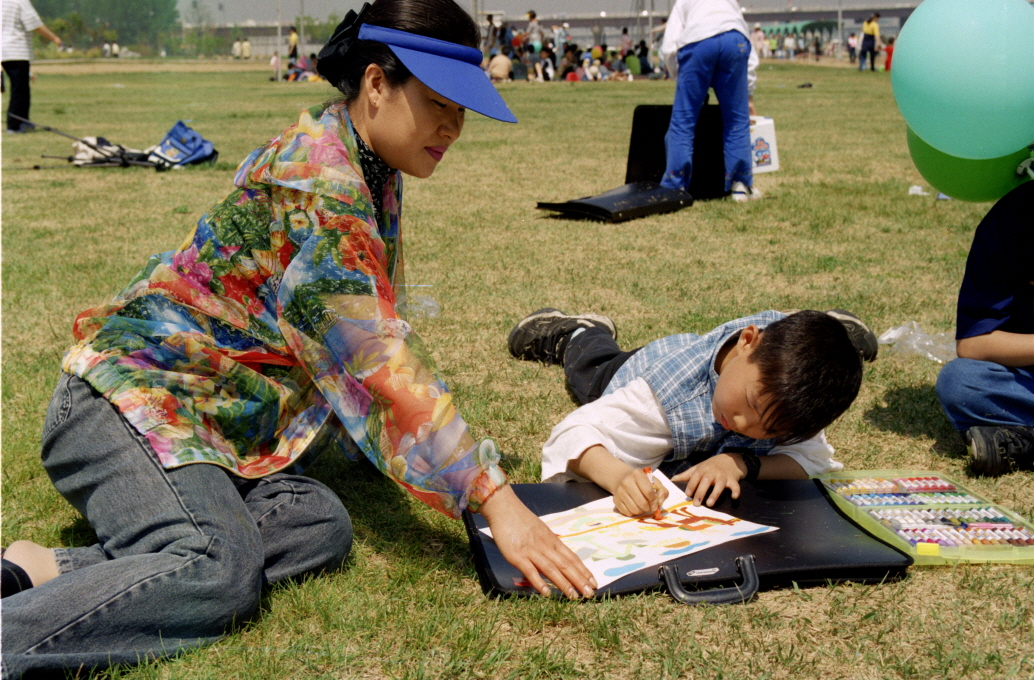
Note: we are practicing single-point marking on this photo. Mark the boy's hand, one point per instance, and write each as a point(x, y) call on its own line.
point(637, 494)
point(723, 471)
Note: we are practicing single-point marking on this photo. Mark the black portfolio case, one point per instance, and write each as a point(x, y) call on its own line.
point(642, 195)
point(815, 544)
point(627, 202)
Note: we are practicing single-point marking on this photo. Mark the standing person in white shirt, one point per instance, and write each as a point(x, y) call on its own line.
point(561, 36)
point(758, 41)
point(19, 21)
point(706, 45)
point(789, 47)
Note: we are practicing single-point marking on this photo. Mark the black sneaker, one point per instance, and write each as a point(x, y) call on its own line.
point(543, 335)
point(997, 450)
point(862, 338)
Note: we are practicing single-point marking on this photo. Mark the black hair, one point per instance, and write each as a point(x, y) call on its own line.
point(812, 372)
point(441, 19)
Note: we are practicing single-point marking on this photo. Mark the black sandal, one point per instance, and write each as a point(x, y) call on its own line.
point(15, 579)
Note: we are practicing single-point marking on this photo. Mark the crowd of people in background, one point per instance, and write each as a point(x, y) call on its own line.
point(795, 46)
point(299, 67)
point(512, 54)
point(540, 55)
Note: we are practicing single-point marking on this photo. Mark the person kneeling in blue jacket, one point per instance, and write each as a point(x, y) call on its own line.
point(988, 392)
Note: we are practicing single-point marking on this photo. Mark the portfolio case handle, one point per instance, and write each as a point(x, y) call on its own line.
point(731, 595)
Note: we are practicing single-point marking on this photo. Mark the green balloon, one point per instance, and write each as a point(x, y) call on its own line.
point(967, 179)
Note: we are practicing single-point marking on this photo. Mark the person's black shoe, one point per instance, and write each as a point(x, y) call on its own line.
point(996, 450)
point(543, 335)
point(862, 338)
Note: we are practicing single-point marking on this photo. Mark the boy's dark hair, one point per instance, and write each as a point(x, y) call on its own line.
point(441, 19)
point(812, 371)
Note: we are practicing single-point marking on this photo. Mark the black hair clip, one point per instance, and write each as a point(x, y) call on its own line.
point(332, 56)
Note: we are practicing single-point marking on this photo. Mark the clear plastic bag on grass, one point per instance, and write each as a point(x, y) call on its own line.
point(422, 307)
point(910, 338)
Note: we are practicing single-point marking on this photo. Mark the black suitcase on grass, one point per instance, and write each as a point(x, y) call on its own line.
point(815, 545)
point(642, 194)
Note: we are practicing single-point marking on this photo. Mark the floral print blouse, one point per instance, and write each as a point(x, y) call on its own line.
point(278, 330)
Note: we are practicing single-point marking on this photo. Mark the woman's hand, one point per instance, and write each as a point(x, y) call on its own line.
point(528, 544)
point(638, 494)
point(723, 471)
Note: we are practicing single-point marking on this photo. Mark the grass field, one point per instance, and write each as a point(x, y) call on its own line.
point(837, 228)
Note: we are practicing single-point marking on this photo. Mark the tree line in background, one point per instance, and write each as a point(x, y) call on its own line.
point(87, 23)
point(152, 27)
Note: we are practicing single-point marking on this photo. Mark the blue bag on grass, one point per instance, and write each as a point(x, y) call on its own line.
point(182, 146)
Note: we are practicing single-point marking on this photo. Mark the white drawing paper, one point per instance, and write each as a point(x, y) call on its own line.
point(612, 545)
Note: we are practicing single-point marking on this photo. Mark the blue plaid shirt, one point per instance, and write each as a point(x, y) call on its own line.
point(680, 371)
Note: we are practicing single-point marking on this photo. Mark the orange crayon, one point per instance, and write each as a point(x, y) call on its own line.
point(656, 490)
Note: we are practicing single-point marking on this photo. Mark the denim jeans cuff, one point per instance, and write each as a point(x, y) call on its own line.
point(63, 559)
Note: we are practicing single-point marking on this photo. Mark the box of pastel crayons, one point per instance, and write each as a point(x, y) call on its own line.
point(931, 517)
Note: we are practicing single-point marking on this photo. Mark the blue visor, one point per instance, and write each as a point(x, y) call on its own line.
point(451, 70)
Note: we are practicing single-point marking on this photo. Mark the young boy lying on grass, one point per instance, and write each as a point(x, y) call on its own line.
point(749, 400)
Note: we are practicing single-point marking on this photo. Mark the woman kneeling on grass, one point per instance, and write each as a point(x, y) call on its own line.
point(274, 333)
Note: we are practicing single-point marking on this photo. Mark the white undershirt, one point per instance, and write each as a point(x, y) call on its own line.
point(630, 423)
point(695, 20)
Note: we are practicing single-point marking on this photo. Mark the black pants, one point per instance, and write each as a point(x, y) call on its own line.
point(18, 72)
point(868, 47)
point(590, 361)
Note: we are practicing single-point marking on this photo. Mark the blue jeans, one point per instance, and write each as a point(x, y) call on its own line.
point(182, 556)
point(868, 48)
point(719, 62)
point(975, 393)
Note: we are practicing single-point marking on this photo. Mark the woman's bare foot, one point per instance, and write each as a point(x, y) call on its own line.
point(37, 561)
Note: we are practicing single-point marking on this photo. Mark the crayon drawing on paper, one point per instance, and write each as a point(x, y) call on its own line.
point(612, 545)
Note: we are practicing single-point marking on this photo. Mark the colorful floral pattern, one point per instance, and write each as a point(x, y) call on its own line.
point(277, 329)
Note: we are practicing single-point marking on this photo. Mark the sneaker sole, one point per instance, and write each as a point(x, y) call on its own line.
point(861, 335)
point(982, 461)
point(550, 313)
